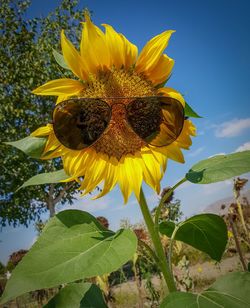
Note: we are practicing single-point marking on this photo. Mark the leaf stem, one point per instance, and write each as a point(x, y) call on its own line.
point(164, 266)
point(170, 249)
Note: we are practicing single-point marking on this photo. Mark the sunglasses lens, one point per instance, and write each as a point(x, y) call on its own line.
point(78, 123)
point(157, 120)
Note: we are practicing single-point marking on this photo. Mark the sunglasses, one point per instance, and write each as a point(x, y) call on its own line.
point(80, 122)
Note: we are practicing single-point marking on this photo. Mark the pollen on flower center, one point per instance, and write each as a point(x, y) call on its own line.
point(119, 139)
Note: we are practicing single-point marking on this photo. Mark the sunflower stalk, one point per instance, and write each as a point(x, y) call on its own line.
point(162, 263)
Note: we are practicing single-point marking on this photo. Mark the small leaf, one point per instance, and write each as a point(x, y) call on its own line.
point(229, 291)
point(189, 112)
point(46, 178)
point(72, 246)
point(219, 168)
point(60, 59)
point(78, 295)
point(32, 146)
point(206, 232)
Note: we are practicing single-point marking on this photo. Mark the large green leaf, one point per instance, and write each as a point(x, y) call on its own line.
point(32, 146)
point(230, 291)
point(60, 59)
point(189, 112)
point(72, 246)
point(78, 295)
point(219, 168)
point(46, 178)
point(206, 232)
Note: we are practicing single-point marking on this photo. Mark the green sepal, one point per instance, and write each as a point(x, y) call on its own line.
point(189, 112)
point(46, 178)
point(32, 146)
point(60, 59)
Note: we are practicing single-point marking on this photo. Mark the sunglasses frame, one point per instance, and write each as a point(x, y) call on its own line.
point(110, 107)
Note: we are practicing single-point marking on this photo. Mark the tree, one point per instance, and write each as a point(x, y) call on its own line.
point(26, 61)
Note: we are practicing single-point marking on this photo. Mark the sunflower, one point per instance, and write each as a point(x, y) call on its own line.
point(108, 67)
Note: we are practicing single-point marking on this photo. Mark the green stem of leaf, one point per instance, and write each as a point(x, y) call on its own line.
point(170, 249)
point(162, 263)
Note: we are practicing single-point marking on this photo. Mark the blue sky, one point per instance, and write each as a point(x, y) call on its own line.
point(211, 48)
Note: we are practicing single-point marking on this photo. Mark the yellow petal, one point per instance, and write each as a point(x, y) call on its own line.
point(53, 147)
point(130, 176)
point(184, 140)
point(131, 52)
point(52, 144)
point(151, 53)
point(152, 174)
point(62, 98)
point(76, 162)
point(73, 58)
point(123, 181)
point(115, 45)
point(122, 52)
point(162, 70)
point(58, 87)
point(134, 171)
point(93, 47)
point(42, 131)
point(94, 174)
point(111, 176)
point(172, 151)
point(169, 92)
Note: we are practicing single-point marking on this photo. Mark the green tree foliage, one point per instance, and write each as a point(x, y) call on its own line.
point(26, 61)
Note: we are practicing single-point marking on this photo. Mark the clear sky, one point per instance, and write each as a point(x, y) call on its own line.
point(211, 48)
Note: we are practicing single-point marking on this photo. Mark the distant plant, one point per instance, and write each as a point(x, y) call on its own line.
point(2, 269)
point(171, 209)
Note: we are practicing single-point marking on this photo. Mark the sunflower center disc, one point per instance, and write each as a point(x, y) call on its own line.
point(119, 139)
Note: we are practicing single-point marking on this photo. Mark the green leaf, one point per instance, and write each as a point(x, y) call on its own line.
point(60, 59)
point(77, 295)
point(219, 168)
point(46, 178)
point(189, 112)
point(229, 291)
point(32, 146)
point(206, 232)
point(167, 228)
point(72, 246)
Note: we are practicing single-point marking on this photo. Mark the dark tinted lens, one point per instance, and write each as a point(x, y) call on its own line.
point(157, 120)
point(78, 123)
point(144, 116)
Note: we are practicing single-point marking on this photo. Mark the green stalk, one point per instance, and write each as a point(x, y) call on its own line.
point(164, 266)
point(170, 250)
